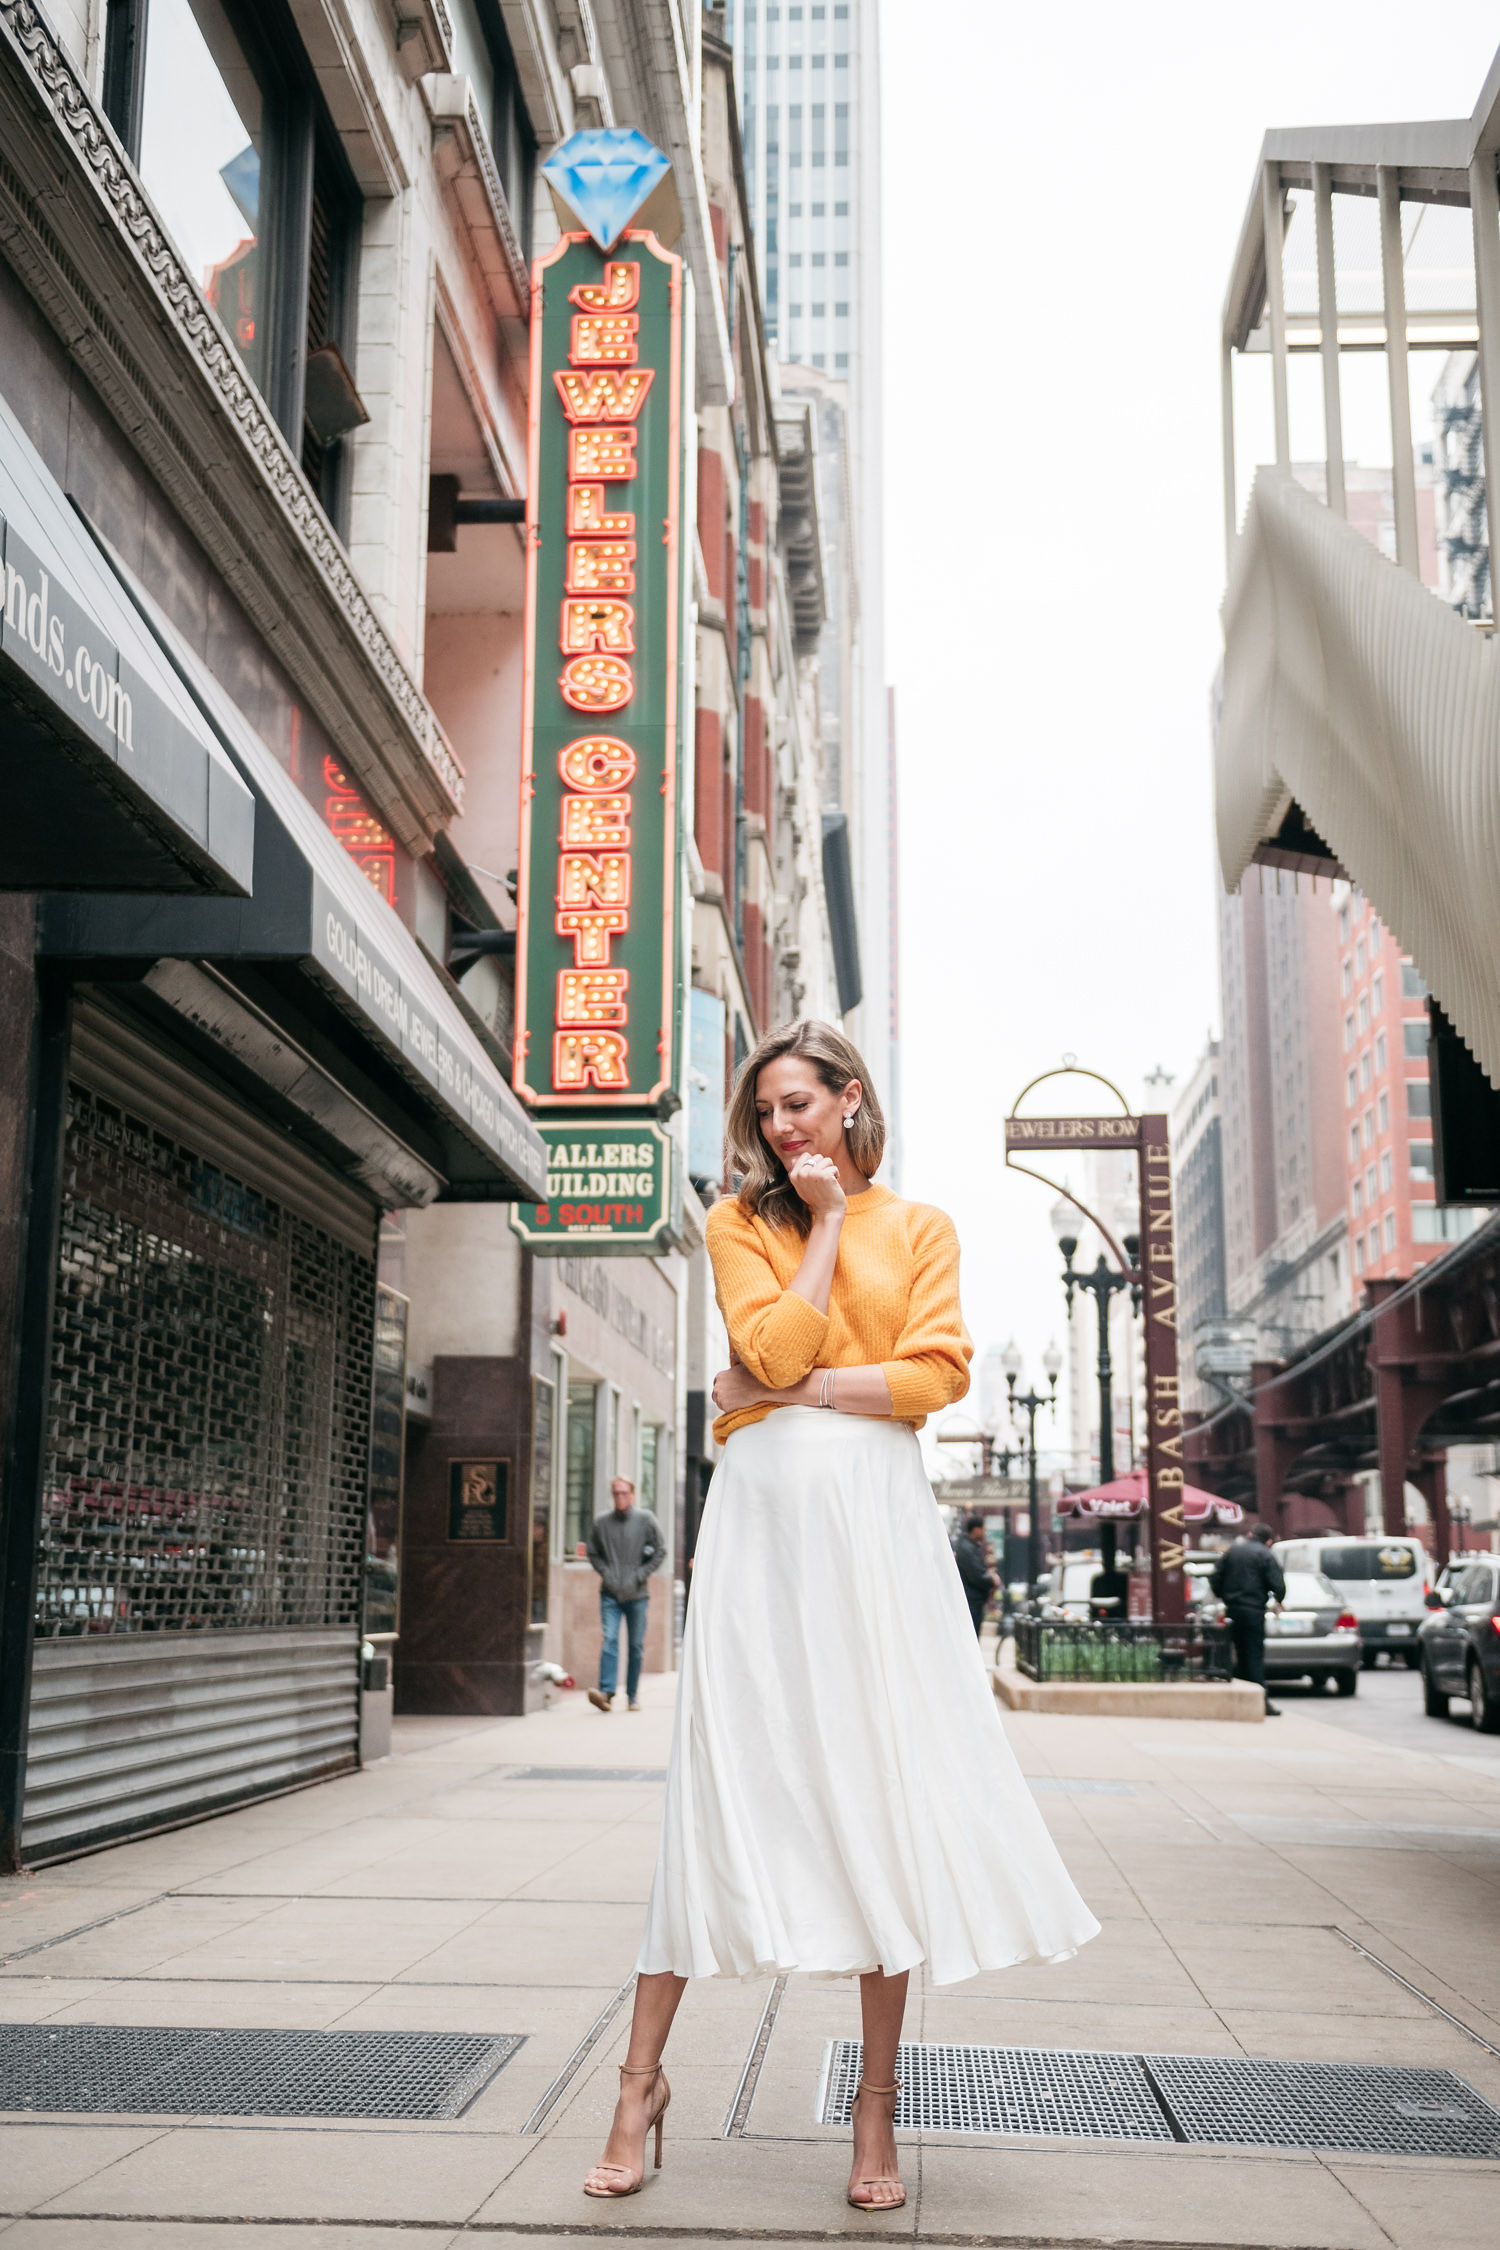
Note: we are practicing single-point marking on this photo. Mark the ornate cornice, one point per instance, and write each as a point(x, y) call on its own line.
point(246, 499)
point(462, 154)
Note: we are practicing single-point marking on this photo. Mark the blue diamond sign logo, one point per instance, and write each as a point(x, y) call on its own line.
point(604, 178)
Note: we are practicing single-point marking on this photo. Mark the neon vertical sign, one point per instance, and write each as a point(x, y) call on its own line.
point(596, 973)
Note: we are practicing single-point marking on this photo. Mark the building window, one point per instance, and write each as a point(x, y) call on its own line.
point(1384, 1107)
point(1359, 957)
point(1372, 1245)
point(1385, 1170)
point(1418, 1098)
point(578, 1475)
point(1377, 994)
point(1357, 1200)
point(1380, 1053)
point(1420, 1156)
point(1370, 1183)
point(1370, 1122)
point(1354, 1144)
point(1348, 978)
point(1412, 987)
point(511, 137)
point(1364, 1012)
point(1343, 925)
point(1359, 1253)
point(1364, 1068)
point(1351, 1089)
point(1390, 1230)
point(1414, 1038)
point(224, 124)
point(1429, 1224)
point(840, 360)
point(1348, 1033)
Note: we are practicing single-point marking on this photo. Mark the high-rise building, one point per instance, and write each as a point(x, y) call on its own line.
point(1285, 1239)
point(1198, 1197)
point(809, 79)
point(1395, 1224)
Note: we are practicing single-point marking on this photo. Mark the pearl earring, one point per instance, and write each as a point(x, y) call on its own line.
point(849, 1118)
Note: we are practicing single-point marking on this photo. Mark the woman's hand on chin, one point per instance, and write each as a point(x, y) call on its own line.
point(816, 1180)
point(735, 1387)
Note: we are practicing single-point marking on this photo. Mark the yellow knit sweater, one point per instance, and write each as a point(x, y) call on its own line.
point(893, 1304)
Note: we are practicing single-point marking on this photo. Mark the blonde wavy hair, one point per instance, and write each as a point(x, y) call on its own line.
point(764, 1186)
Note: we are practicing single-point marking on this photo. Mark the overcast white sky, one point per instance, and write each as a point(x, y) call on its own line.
point(1063, 192)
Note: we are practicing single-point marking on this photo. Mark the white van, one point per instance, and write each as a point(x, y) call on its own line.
point(1384, 1581)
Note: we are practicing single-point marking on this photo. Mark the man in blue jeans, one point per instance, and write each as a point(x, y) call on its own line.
point(625, 1547)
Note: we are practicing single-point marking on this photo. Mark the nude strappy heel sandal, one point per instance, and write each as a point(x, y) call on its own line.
point(634, 2186)
point(882, 2179)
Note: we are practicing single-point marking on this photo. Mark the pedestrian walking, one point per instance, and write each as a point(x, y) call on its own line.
point(972, 1553)
point(625, 1547)
point(841, 1798)
point(1245, 1577)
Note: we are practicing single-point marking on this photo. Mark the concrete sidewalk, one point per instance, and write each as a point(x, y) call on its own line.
point(440, 1891)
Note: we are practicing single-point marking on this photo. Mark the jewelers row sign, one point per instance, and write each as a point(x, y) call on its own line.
point(598, 981)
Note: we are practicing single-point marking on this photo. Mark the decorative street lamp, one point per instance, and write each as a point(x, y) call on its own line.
point(1102, 1284)
point(1029, 1402)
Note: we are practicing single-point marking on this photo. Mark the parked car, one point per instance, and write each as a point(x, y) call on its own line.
point(1385, 1582)
point(1459, 1643)
point(1065, 1587)
point(1315, 1636)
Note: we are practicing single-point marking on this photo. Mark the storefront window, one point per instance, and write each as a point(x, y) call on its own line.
point(387, 1461)
point(649, 1437)
point(543, 1409)
point(203, 146)
point(578, 1507)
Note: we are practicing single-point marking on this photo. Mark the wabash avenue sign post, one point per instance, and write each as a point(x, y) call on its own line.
point(1157, 1276)
point(598, 968)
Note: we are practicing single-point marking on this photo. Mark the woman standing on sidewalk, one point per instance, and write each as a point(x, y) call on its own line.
point(841, 1798)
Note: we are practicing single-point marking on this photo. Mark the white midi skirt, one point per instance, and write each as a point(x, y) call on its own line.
point(841, 1796)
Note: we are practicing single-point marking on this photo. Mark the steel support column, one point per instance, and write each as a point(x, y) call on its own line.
point(1273, 214)
point(1431, 1479)
point(1275, 1452)
point(1328, 324)
point(1393, 285)
point(1484, 204)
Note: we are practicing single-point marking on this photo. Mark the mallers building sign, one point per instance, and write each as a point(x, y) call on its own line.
point(598, 971)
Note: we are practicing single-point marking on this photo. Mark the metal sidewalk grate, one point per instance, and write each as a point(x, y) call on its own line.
point(1005, 2090)
point(1227, 2099)
point(1366, 2106)
point(123, 2070)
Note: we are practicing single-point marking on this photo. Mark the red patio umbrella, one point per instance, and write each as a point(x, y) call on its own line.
point(1126, 1497)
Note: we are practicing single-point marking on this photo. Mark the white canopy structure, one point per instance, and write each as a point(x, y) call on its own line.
point(1359, 727)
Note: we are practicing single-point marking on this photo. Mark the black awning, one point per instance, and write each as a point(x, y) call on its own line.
point(316, 956)
point(112, 780)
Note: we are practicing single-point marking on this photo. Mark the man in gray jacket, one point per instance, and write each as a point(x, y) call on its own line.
point(625, 1547)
